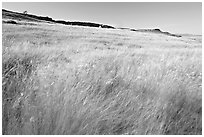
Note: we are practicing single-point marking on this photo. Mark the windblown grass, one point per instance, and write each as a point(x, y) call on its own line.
point(66, 89)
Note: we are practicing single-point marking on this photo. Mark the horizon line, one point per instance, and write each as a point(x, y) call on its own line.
point(118, 27)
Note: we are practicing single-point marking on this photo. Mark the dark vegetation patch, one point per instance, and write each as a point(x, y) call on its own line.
point(10, 22)
point(120, 44)
point(134, 46)
point(18, 23)
point(103, 42)
point(16, 72)
point(184, 115)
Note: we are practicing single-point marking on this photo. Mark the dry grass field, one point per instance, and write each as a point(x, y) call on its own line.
point(76, 80)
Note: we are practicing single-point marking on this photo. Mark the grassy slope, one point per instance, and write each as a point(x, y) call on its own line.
point(77, 80)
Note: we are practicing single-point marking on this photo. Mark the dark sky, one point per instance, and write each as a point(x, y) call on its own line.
point(173, 17)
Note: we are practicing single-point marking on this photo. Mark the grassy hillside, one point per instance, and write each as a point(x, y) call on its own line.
point(77, 80)
point(15, 16)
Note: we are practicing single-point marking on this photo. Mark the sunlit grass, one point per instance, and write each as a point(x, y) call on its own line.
point(71, 87)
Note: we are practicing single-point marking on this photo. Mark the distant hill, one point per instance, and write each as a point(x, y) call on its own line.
point(33, 18)
point(158, 31)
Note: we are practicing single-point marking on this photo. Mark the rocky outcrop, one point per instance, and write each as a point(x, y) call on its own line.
point(156, 31)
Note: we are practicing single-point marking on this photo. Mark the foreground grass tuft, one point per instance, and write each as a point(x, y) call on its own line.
point(107, 96)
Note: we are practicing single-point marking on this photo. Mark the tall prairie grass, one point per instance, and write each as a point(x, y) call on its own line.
point(51, 90)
